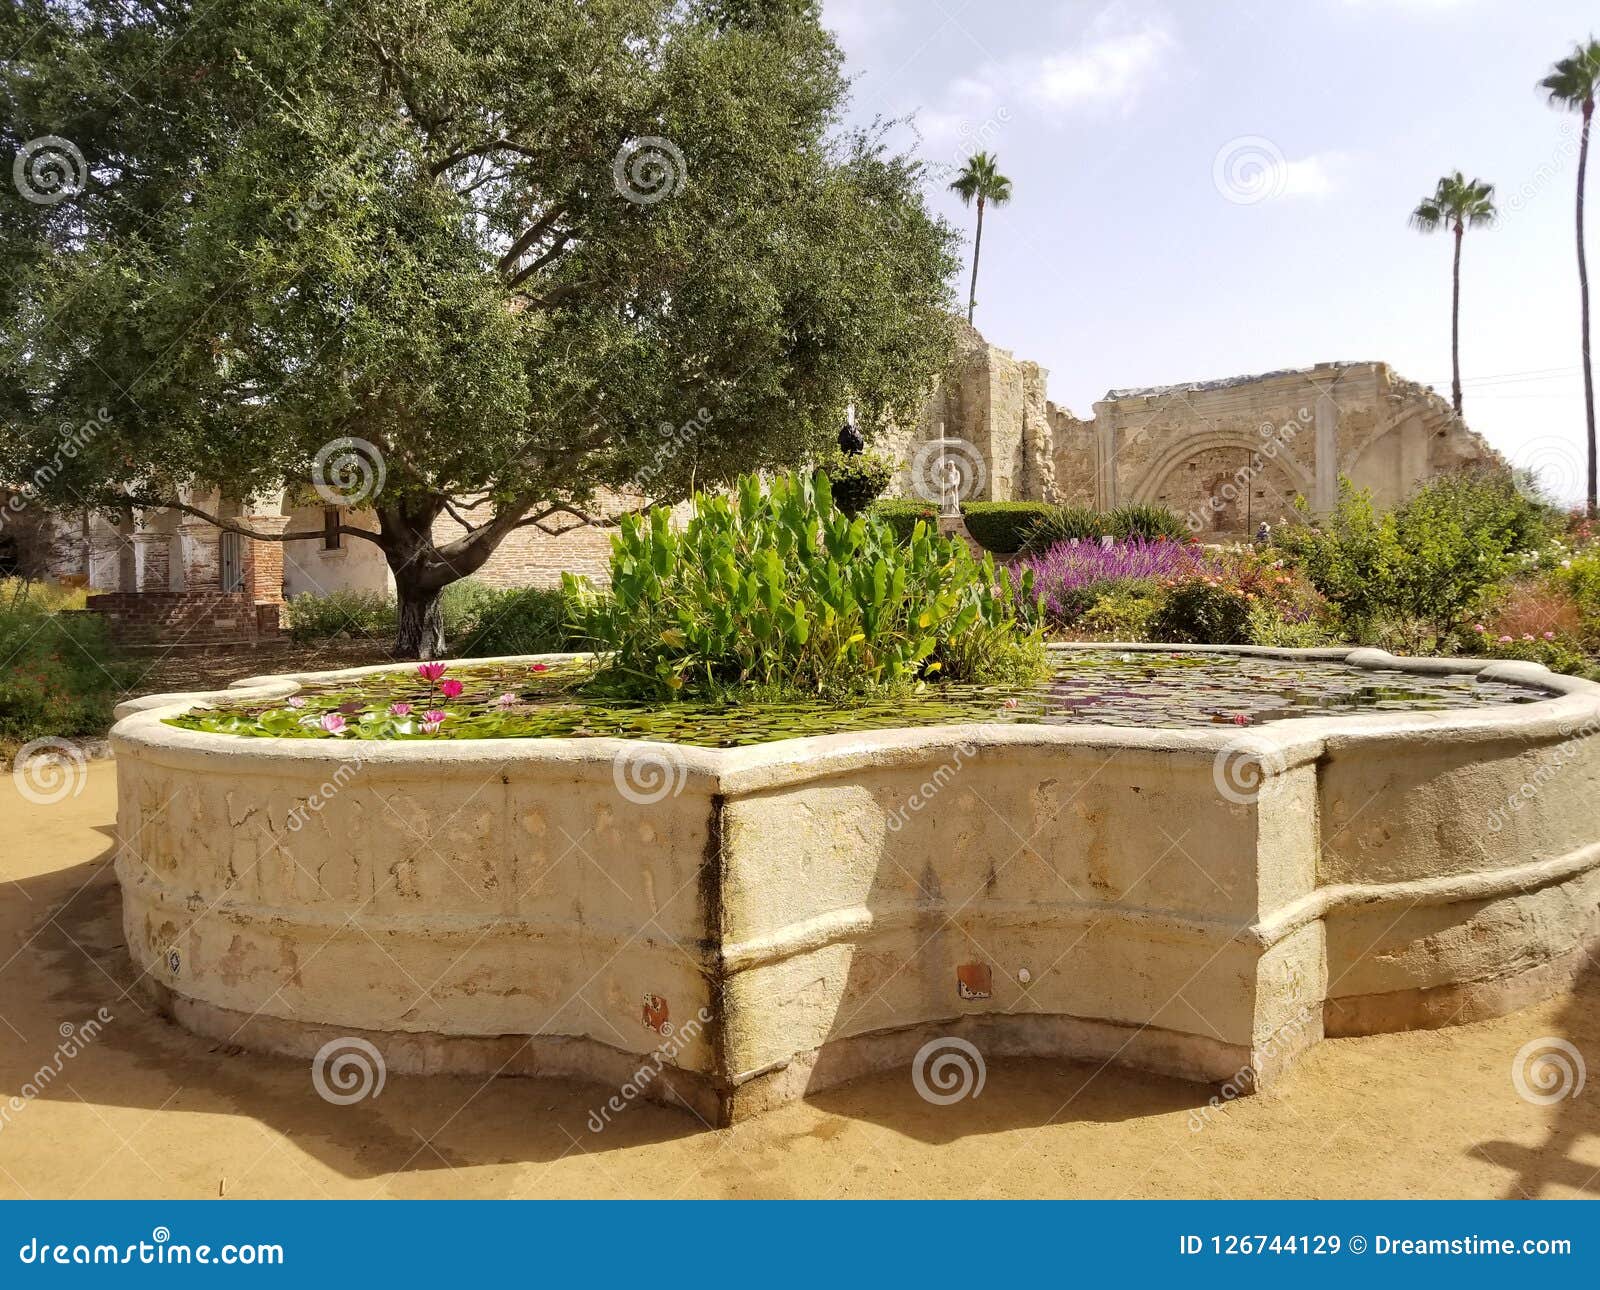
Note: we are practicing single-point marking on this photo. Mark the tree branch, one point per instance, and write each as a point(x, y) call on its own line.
point(230, 526)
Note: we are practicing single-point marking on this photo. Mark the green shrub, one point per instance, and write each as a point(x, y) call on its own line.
point(1003, 527)
point(1122, 611)
point(1145, 521)
point(1580, 577)
point(900, 515)
point(525, 620)
point(1064, 524)
point(1413, 574)
point(355, 614)
point(1202, 611)
point(779, 591)
point(60, 676)
point(857, 479)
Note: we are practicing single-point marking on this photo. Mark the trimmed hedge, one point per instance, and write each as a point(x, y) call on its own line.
point(1003, 527)
point(900, 515)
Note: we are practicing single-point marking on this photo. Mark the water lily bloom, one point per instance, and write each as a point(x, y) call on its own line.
point(399, 709)
point(432, 719)
point(333, 723)
point(450, 689)
point(430, 672)
point(505, 700)
point(296, 702)
point(540, 667)
point(1239, 719)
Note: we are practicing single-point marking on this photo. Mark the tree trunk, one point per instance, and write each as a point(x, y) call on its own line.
point(420, 633)
point(1583, 296)
point(977, 250)
point(1455, 325)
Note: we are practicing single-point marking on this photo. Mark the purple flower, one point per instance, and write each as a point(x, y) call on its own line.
point(1069, 567)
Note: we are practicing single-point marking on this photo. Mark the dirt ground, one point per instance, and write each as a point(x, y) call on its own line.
point(146, 1110)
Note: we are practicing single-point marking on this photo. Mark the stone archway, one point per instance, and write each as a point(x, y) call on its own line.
point(1225, 483)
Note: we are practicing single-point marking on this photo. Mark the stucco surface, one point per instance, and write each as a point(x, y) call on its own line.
point(1196, 902)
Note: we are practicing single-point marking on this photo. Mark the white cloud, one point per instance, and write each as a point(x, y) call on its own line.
point(1109, 69)
point(1318, 175)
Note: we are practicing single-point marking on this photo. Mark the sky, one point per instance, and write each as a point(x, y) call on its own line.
point(1205, 190)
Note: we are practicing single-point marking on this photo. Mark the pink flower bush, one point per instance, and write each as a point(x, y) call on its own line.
point(450, 689)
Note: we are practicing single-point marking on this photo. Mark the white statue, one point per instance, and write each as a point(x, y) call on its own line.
point(952, 489)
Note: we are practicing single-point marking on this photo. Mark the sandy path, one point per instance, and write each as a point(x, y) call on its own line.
point(148, 1110)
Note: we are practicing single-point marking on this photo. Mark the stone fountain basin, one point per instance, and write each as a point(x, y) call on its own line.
point(732, 929)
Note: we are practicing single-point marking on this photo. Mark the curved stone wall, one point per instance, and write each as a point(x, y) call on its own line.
point(752, 924)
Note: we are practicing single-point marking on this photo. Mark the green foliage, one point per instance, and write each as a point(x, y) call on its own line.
point(1066, 524)
point(900, 515)
point(60, 675)
point(501, 246)
point(1580, 578)
point(1411, 575)
point(358, 615)
point(1003, 527)
point(858, 479)
point(484, 621)
point(779, 591)
point(1122, 611)
point(1143, 520)
point(524, 620)
point(1202, 611)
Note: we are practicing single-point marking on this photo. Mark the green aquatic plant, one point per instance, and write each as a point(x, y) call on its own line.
point(777, 590)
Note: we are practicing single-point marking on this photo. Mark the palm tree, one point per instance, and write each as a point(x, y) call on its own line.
point(982, 181)
point(1571, 85)
point(1458, 205)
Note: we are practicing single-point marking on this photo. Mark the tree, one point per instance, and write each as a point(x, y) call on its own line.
point(488, 252)
point(1571, 85)
point(980, 180)
point(1458, 205)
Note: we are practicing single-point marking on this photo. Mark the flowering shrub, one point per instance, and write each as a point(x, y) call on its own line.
point(1070, 577)
point(1242, 599)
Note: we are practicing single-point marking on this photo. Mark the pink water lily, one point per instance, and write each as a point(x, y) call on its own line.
point(333, 723)
point(451, 688)
point(1239, 719)
point(430, 672)
point(296, 702)
point(399, 709)
point(432, 719)
point(505, 700)
point(540, 667)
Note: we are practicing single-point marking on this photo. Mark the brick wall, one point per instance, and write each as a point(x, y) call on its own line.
point(186, 618)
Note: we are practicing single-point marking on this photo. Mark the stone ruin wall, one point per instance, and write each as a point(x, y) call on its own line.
point(1224, 455)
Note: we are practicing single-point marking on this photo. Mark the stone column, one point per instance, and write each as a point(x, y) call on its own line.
point(1326, 421)
point(199, 543)
point(153, 560)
